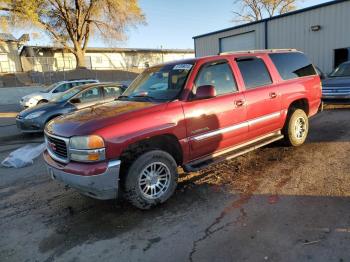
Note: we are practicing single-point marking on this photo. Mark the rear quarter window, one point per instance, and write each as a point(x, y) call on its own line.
point(292, 65)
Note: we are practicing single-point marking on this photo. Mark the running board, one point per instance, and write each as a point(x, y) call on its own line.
point(232, 152)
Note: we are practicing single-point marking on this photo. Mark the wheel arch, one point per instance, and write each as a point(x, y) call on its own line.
point(301, 103)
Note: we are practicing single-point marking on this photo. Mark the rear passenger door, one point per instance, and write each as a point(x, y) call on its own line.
point(262, 97)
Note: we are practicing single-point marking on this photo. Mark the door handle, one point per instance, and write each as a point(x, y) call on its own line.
point(273, 95)
point(239, 103)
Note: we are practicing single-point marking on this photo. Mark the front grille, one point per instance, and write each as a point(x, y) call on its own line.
point(57, 147)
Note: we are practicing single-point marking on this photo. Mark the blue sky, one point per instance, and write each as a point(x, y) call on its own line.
point(173, 23)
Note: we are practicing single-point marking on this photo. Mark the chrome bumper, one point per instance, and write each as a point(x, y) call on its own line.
point(103, 186)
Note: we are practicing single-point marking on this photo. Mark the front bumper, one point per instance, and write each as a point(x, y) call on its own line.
point(103, 185)
point(29, 125)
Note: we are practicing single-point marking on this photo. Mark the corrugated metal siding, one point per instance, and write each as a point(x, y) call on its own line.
point(295, 32)
point(209, 45)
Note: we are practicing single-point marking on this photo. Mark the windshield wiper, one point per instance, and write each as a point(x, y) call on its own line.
point(150, 98)
point(122, 97)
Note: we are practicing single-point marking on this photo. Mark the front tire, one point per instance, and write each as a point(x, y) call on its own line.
point(296, 128)
point(151, 179)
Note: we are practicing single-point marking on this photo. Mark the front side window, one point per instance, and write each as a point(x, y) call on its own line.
point(159, 83)
point(219, 75)
point(342, 70)
point(292, 65)
point(254, 72)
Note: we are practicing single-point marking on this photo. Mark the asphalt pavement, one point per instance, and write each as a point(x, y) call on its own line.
point(273, 204)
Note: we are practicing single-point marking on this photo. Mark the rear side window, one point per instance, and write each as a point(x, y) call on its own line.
point(254, 72)
point(292, 65)
point(219, 75)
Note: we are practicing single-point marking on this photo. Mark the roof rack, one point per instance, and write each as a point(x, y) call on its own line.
point(259, 51)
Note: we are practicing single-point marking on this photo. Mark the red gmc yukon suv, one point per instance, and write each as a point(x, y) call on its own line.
point(188, 113)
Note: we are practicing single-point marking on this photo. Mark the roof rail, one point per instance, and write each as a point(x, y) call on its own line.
point(259, 51)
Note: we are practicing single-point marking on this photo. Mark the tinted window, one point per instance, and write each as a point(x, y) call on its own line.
point(292, 65)
point(254, 72)
point(112, 91)
point(89, 95)
point(219, 75)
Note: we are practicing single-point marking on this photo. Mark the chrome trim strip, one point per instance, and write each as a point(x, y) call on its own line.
point(220, 131)
point(236, 127)
point(114, 163)
point(264, 118)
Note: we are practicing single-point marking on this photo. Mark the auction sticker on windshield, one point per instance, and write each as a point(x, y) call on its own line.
point(183, 67)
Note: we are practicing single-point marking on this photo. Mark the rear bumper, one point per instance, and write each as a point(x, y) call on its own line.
point(102, 186)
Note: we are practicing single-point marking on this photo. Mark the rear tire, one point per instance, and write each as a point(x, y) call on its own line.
point(151, 179)
point(296, 128)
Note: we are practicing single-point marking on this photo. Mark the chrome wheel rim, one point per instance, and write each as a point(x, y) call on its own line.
point(154, 180)
point(300, 128)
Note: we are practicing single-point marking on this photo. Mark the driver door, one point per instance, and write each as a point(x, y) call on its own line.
point(215, 123)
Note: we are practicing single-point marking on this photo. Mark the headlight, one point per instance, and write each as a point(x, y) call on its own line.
point(34, 115)
point(87, 148)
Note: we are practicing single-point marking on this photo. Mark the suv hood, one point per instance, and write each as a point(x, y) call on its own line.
point(87, 121)
point(336, 82)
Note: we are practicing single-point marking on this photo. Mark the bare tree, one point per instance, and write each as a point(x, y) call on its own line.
point(72, 22)
point(255, 10)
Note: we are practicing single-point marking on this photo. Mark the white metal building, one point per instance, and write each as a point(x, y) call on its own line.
point(321, 31)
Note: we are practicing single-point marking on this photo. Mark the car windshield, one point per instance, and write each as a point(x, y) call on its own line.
point(67, 95)
point(159, 83)
point(342, 70)
point(49, 88)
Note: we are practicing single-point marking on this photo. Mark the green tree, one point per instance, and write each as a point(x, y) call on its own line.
point(72, 22)
point(255, 10)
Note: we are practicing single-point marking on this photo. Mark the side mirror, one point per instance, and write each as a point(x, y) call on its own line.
point(75, 101)
point(205, 92)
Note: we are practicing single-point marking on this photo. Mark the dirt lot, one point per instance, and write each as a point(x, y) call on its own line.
point(274, 204)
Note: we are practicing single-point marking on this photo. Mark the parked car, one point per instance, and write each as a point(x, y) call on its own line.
point(190, 113)
point(52, 91)
point(34, 119)
point(336, 88)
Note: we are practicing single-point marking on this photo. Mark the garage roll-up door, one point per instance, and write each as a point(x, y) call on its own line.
point(239, 42)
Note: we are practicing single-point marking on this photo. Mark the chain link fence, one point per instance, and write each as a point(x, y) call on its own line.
point(48, 70)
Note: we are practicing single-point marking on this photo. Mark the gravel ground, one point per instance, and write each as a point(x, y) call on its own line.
point(273, 204)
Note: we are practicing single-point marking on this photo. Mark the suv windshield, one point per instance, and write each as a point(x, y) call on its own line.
point(342, 70)
point(66, 95)
point(162, 83)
